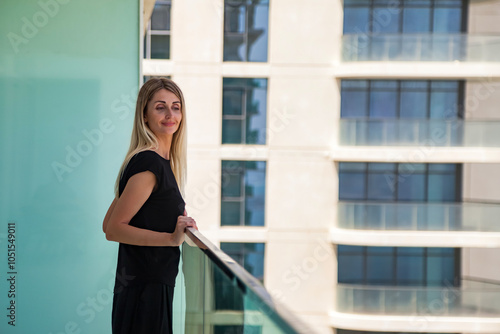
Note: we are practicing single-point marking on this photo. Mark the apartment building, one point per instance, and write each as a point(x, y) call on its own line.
point(346, 153)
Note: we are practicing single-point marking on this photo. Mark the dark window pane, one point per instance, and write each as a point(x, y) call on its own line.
point(387, 20)
point(231, 132)
point(350, 269)
point(351, 186)
point(352, 166)
point(354, 104)
point(416, 20)
point(413, 105)
point(230, 213)
point(447, 20)
point(356, 19)
point(160, 46)
point(381, 167)
point(232, 185)
point(381, 186)
point(441, 270)
point(380, 269)
point(234, 48)
point(383, 104)
point(444, 105)
point(442, 188)
point(410, 269)
point(234, 18)
point(232, 103)
point(160, 19)
point(412, 188)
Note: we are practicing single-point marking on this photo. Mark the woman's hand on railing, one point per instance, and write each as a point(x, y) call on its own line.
point(182, 222)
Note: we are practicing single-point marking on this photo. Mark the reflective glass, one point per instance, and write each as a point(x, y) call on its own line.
point(410, 270)
point(234, 18)
point(350, 269)
point(230, 213)
point(447, 20)
point(383, 104)
point(256, 116)
point(416, 20)
point(351, 186)
point(354, 104)
point(380, 269)
point(356, 19)
point(160, 46)
point(231, 131)
point(413, 104)
point(444, 105)
point(381, 186)
point(234, 48)
point(442, 188)
point(412, 188)
point(232, 103)
point(258, 18)
point(160, 19)
point(232, 185)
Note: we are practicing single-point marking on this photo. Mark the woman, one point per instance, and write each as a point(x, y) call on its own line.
point(147, 216)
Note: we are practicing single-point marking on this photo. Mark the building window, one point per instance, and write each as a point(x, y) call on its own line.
point(244, 105)
point(249, 255)
point(395, 182)
point(246, 30)
point(409, 99)
point(157, 37)
point(405, 29)
point(403, 266)
point(404, 16)
point(243, 193)
point(393, 112)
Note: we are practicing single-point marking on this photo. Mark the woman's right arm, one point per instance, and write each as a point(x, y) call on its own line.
point(116, 223)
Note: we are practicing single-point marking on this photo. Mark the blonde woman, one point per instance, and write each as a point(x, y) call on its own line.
point(147, 216)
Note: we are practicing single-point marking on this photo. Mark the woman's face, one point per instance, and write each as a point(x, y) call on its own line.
point(163, 113)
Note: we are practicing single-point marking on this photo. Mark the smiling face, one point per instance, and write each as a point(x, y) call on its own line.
point(163, 113)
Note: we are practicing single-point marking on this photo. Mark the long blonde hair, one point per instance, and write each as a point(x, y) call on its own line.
point(144, 139)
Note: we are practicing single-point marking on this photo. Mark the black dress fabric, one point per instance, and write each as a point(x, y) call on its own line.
point(145, 276)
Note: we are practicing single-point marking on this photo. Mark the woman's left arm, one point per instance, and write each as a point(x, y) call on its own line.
point(108, 214)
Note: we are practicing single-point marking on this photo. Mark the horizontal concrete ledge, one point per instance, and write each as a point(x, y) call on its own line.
point(414, 323)
point(416, 154)
point(417, 70)
point(415, 238)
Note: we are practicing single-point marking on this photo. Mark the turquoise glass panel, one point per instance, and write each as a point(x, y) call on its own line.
point(69, 73)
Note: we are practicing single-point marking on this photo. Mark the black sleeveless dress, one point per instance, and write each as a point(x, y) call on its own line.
point(145, 276)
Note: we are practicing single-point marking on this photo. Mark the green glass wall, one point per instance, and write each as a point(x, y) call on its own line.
point(69, 74)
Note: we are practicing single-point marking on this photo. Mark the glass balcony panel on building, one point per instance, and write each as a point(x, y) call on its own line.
point(244, 109)
point(246, 25)
point(243, 193)
point(407, 113)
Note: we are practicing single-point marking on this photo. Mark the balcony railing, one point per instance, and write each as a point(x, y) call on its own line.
point(472, 299)
point(421, 47)
point(419, 132)
point(214, 294)
point(476, 217)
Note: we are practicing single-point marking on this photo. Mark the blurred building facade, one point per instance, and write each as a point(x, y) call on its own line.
point(346, 153)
